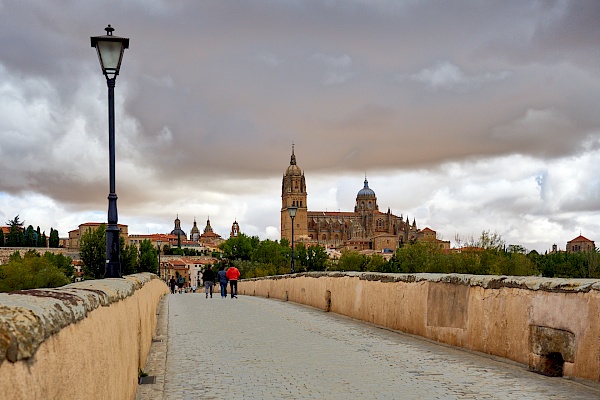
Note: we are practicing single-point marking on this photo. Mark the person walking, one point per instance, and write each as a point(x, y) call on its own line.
point(208, 276)
point(223, 281)
point(233, 274)
point(172, 283)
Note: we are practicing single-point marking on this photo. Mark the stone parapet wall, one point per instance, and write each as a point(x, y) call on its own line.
point(551, 325)
point(5, 252)
point(86, 340)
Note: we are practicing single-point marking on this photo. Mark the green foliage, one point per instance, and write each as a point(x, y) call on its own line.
point(30, 238)
point(16, 237)
point(30, 272)
point(351, 261)
point(488, 254)
point(239, 247)
point(62, 262)
point(148, 257)
point(314, 258)
point(270, 253)
point(129, 258)
point(568, 265)
point(375, 263)
point(92, 251)
point(54, 240)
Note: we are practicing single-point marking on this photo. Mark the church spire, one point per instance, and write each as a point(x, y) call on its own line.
point(293, 158)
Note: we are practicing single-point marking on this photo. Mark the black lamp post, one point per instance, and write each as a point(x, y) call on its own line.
point(159, 243)
point(292, 210)
point(110, 53)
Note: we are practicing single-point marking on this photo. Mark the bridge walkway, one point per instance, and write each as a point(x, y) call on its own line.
point(257, 348)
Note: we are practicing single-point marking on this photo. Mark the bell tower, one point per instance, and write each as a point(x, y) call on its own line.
point(235, 229)
point(293, 193)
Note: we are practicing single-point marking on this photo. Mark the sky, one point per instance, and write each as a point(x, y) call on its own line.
point(467, 116)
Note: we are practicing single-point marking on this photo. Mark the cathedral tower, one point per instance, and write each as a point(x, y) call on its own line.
point(235, 229)
point(293, 193)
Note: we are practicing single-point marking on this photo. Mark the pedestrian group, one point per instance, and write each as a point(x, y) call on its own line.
point(231, 276)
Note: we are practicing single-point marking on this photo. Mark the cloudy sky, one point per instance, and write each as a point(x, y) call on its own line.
point(468, 116)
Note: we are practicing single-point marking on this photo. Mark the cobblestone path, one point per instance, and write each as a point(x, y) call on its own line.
point(256, 348)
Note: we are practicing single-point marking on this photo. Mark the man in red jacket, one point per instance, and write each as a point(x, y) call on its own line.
point(233, 274)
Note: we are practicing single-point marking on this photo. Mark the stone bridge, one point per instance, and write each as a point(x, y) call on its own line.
point(91, 339)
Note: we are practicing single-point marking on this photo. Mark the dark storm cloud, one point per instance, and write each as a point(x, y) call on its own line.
point(214, 92)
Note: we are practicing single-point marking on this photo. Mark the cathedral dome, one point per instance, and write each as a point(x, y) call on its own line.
point(293, 169)
point(366, 191)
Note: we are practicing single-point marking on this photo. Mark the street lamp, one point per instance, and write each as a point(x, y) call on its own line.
point(159, 243)
point(292, 210)
point(110, 53)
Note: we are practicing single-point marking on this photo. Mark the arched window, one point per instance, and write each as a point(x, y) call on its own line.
point(324, 237)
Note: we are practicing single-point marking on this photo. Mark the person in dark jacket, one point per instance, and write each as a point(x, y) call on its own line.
point(172, 283)
point(223, 281)
point(209, 280)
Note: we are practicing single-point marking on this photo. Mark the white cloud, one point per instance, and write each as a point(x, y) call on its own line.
point(447, 76)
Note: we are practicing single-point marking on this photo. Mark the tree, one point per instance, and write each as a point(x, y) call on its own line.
point(129, 259)
point(1, 238)
point(39, 236)
point(239, 247)
point(30, 272)
point(15, 235)
point(272, 254)
point(148, 257)
point(351, 261)
point(92, 251)
point(62, 262)
point(376, 263)
point(54, 240)
point(30, 237)
point(316, 258)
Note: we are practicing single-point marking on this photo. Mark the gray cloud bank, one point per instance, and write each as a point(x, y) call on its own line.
point(468, 115)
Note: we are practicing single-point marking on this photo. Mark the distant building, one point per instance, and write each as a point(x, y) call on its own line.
point(177, 231)
point(580, 244)
point(365, 228)
point(154, 238)
point(195, 233)
point(235, 229)
point(76, 234)
point(209, 238)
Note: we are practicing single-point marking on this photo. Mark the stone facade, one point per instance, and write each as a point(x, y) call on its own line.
point(365, 228)
point(580, 243)
point(5, 252)
point(76, 234)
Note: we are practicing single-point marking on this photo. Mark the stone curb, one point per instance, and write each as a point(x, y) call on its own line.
point(557, 285)
point(28, 317)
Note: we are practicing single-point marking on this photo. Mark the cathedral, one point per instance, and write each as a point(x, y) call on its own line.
point(365, 228)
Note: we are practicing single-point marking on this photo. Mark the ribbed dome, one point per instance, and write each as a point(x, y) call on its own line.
point(366, 191)
point(293, 169)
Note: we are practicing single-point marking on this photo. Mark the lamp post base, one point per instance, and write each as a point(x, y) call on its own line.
point(113, 270)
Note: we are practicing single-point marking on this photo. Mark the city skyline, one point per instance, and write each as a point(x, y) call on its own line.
point(465, 116)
